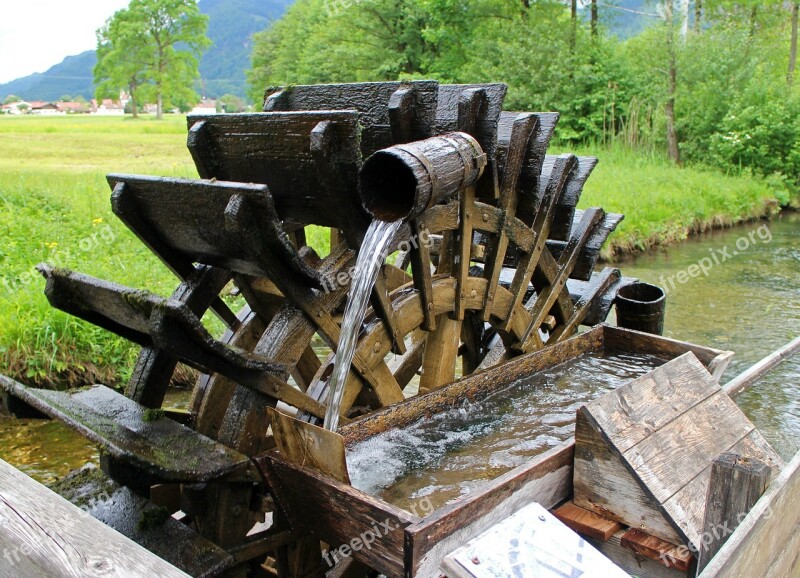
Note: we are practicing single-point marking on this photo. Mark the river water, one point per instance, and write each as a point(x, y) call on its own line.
point(749, 302)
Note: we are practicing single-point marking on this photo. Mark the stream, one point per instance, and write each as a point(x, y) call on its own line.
point(747, 300)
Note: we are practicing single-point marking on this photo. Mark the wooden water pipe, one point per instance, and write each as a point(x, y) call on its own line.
point(402, 181)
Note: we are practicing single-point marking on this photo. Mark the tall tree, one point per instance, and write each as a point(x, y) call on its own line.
point(165, 38)
point(121, 59)
point(793, 46)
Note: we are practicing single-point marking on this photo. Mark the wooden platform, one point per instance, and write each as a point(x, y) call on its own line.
point(42, 534)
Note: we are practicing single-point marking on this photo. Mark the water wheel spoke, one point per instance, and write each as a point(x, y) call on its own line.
point(463, 250)
point(441, 351)
point(547, 296)
point(596, 288)
point(521, 132)
point(421, 269)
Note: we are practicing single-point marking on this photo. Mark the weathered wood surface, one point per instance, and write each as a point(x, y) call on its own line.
point(143, 522)
point(586, 523)
point(590, 253)
point(338, 513)
point(734, 486)
point(644, 451)
point(669, 555)
point(374, 102)
point(275, 149)
point(634, 563)
point(128, 432)
point(45, 535)
point(185, 220)
point(758, 370)
point(767, 542)
point(309, 446)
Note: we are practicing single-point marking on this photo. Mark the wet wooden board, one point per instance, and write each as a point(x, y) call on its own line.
point(156, 445)
point(45, 535)
point(643, 449)
point(337, 513)
point(143, 522)
point(591, 251)
point(275, 149)
point(670, 555)
point(372, 102)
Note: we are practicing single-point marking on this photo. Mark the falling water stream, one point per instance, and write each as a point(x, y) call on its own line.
point(370, 258)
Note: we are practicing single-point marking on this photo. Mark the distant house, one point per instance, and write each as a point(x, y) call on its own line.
point(19, 107)
point(205, 106)
point(107, 107)
point(72, 107)
point(45, 109)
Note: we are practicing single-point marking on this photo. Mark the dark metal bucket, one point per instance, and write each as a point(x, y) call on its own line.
point(641, 306)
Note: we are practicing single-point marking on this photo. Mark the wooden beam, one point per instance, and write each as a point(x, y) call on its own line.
point(767, 542)
point(736, 484)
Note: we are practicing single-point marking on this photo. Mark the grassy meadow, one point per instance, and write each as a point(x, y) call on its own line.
point(55, 207)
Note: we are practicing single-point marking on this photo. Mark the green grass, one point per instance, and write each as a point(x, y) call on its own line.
point(54, 205)
point(663, 204)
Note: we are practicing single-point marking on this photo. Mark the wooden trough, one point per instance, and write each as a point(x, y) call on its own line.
point(336, 512)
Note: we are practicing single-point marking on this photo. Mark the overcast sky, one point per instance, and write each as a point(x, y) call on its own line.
point(35, 35)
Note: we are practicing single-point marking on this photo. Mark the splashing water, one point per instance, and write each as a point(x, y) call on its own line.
point(370, 258)
point(456, 452)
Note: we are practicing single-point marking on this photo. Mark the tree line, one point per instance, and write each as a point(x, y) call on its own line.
point(706, 81)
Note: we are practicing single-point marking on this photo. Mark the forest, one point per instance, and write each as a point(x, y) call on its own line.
point(709, 83)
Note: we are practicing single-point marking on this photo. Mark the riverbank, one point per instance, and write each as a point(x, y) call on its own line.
point(55, 207)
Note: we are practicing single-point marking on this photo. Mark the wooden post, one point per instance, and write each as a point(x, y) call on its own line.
point(736, 484)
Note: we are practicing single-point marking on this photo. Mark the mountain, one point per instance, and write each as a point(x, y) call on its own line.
point(73, 76)
point(231, 25)
point(222, 68)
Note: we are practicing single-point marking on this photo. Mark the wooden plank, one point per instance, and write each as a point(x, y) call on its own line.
point(126, 430)
point(45, 535)
point(565, 211)
point(373, 103)
point(309, 446)
point(546, 480)
point(586, 522)
point(630, 416)
point(735, 485)
point(654, 548)
point(688, 505)
point(633, 563)
point(669, 459)
point(767, 542)
point(337, 513)
point(590, 254)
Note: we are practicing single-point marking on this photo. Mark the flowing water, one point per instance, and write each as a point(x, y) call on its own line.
point(748, 303)
point(454, 452)
point(371, 256)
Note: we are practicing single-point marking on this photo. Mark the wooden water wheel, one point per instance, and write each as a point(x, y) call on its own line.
point(500, 267)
